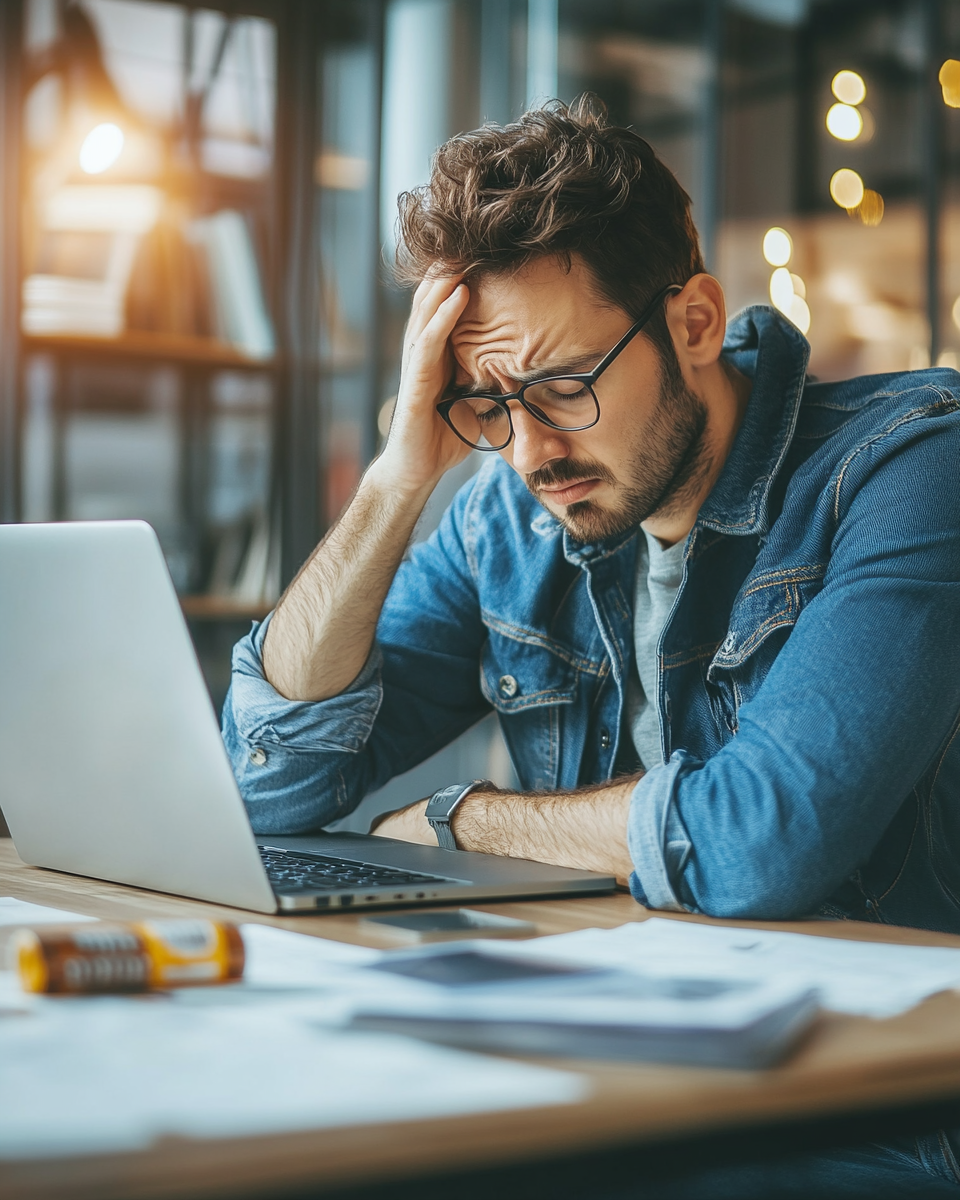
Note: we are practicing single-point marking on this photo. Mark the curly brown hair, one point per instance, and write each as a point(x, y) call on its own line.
point(560, 181)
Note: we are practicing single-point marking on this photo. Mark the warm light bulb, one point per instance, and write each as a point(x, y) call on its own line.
point(101, 148)
point(777, 246)
point(846, 188)
point(844, 122)
point(781, 290)
point(950, 82)
point(848, 87)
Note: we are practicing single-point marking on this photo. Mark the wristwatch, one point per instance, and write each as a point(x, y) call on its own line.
point(442, 805)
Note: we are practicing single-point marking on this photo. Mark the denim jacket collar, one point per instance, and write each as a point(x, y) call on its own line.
point(770, 350)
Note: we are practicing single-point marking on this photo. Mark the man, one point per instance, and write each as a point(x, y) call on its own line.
point(796, 722)
point(714, 603)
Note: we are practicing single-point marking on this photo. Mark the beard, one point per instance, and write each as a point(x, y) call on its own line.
point(669, 459)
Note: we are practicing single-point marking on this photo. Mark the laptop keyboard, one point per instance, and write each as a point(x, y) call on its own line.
point(291, 872)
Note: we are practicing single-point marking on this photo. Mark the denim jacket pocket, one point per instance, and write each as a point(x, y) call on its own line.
point(529, 682)
point(517, 673)
point(762, 617)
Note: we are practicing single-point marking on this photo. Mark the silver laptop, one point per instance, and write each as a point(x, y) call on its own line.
point(113, 765)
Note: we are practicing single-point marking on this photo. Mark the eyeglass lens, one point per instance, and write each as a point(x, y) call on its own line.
point(562, 403)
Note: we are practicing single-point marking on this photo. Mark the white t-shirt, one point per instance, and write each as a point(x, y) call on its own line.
point(659, 573)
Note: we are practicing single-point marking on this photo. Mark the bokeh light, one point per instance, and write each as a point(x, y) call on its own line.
point(799, 314)
point(846, 188)
point(777, 246)
point(844, 122)
point(101, 148)
point(870, 208)
point(781, 290)
point(848, 87)
point(787, 292)
point(950, 82)
point(956, 312)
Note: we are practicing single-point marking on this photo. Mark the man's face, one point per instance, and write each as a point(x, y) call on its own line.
point(646, 454)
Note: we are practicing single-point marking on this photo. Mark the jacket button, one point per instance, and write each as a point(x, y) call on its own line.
point(729, 641)
point(508, 686)
point(258, 757)
point(604, 739)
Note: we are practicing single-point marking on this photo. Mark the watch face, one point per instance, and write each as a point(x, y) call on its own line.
point(440, 802)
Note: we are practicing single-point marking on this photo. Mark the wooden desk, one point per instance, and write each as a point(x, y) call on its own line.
point(847, 1065)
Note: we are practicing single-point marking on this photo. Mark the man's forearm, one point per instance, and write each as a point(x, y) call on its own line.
point(322, 631)
point(321, 634)
point(585, 829)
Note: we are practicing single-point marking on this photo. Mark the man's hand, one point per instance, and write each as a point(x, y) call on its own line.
point(421, 446)
point(586, 829)
point(408, 824)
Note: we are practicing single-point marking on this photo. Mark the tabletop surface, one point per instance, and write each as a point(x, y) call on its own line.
point(847, 1064)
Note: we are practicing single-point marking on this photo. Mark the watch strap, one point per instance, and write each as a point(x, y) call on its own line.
point(442, 805)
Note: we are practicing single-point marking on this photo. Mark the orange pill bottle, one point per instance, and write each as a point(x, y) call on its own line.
point(127, 958)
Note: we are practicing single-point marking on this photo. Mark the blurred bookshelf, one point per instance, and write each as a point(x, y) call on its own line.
point(190, 213)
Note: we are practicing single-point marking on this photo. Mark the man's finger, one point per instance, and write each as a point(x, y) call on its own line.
point(428, 296)
point(429, 343)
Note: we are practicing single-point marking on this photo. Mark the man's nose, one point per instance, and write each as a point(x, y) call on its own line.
point(534, 444)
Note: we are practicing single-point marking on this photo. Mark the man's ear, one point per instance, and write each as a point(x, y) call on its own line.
point(697, 320)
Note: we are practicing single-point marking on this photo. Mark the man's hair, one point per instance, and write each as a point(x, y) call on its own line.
point(560, 181)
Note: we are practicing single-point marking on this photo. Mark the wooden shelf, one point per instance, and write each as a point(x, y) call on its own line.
point(218, 608)
point(137, 344)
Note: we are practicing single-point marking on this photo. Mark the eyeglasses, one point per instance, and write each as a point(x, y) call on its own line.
point(561, 401)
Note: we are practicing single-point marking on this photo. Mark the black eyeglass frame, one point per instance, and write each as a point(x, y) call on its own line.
point(588, 379)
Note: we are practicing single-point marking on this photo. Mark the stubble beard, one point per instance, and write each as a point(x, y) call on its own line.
point(670, 459)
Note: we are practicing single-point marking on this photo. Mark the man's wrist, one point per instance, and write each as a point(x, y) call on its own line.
point(396, 484)
point(443, 805)
point(469, 817)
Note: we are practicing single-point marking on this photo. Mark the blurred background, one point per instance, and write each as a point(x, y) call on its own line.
point(197, 321)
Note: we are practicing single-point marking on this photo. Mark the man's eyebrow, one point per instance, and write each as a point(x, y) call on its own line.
point(573, 366)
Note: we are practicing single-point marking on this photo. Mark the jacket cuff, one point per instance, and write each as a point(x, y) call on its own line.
point(657, 838)
point(260, 714)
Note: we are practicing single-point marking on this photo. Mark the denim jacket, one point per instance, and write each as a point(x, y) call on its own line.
point(809, 673)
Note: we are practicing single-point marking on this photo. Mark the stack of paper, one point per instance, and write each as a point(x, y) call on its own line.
point(664, 990)
point(503, 998)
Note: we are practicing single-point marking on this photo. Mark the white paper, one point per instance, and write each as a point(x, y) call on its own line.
point(864, 978)
point(19, 912)
point(91, 1075)
point(13, 1000)
point(282, 958)
point(315, 978)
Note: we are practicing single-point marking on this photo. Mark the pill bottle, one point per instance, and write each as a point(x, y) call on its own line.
point(127, 958)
